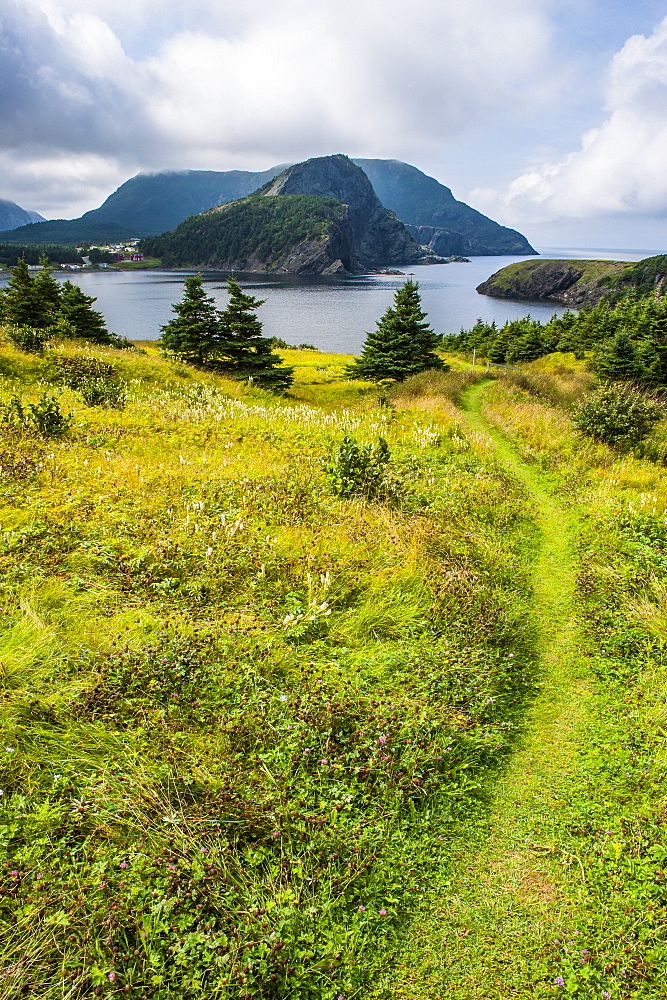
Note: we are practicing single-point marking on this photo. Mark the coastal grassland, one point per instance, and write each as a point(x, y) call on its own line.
point(241, 716)
point(561, 890)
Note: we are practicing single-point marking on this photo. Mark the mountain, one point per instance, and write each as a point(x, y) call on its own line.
point(70, 232)
point(576, 283)
point(433, 215)
point(149, 204)
point(321, 216)
point(146, 205)
point(12, 215)
point(155, 203)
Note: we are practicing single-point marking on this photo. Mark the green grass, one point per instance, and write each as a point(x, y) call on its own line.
point(239, 711)
point(258, 740)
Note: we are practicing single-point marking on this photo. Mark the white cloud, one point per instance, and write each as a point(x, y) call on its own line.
point(621, 166)
point(214, 84)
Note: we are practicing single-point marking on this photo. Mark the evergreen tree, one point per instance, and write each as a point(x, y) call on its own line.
point(403, 343)
point(618, 360)
point(47, 293)
point(78, 317)
point(20, 303)
point(195, 333)
point(246, 353)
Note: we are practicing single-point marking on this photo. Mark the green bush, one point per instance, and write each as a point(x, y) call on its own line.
point(74, 372)
point(618, 414)
point(27, 339)
point(97, 381)
point(103, 392)
point(358, 469)
point(43, 417)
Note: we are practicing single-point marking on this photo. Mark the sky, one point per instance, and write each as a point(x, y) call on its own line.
point(550, 116)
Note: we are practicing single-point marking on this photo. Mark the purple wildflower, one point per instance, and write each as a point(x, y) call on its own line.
point(383, 913)
point(559, 981)
point(361, 909)
point(123, 864)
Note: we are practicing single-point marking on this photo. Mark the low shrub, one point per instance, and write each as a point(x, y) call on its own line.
point(103, 392)
point(97, 381)
point(358, 469)
point(26, 339)
point(618, 414)
point(43, 417)
point(74, 372)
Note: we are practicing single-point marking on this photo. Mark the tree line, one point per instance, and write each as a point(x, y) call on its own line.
point(40, 303)
point(625, 341)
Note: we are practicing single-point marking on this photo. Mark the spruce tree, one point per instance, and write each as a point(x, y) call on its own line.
point(78, 317)
point(618, 360)
point(403, 343)
point(20, 303)
point(47, 293)
point(195, 333)
point(247, 354)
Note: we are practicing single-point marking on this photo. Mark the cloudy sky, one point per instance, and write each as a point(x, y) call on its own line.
point(548, 115)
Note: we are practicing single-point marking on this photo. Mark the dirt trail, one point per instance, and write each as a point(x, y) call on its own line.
point(481, 924)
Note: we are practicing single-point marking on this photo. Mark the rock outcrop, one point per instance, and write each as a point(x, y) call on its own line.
point(379, 238)
point(575, 283)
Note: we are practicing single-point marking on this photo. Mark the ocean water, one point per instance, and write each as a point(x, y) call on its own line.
point(333, 314)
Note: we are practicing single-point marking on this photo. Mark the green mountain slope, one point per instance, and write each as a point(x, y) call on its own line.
point(12, 215)
point(149, 204)
point(295, 233)
point(70, 232)
point(434, 216)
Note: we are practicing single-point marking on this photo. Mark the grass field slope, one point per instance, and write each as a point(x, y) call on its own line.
point(332, 695)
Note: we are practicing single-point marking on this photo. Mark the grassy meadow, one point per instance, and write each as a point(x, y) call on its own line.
point(263, 736)
point(242, 714)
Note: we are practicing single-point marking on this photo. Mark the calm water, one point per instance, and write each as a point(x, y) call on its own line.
point(334, 314)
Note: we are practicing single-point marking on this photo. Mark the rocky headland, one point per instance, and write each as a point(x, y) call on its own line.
point(575, 283)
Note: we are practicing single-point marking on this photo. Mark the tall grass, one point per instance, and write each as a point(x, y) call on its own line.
point(241, 715)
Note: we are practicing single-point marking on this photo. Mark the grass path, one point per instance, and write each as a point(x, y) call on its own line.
point(487, 921)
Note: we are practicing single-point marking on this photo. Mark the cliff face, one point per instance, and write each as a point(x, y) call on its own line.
point(380, 239)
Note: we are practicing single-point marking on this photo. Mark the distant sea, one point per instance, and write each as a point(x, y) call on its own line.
point(333, 314)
